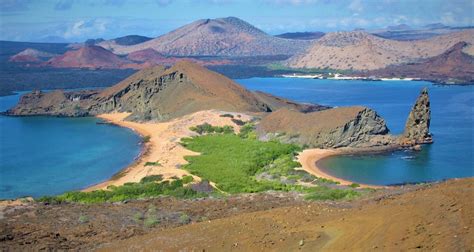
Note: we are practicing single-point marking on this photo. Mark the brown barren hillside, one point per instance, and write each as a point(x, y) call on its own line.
point(160, 94)
point(434, 218)
point(88, 57)
point(31, 55)
point(215, 37)
point(451, 66)
point(359, 50)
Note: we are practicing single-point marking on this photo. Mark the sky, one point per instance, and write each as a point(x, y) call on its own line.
point(78, 20)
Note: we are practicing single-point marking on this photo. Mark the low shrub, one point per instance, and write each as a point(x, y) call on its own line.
point(187, 179)
point(184, 219)
point(146, 139)
point(354, 185)
point(83, 219)
point(227, 115)
point(153, 163)
point(207, 128)
point(147, 188)
point(247, 131)
point(138, 217)
point(151, 221)
point(151, 178)
point(238, 122)
point(326, 193)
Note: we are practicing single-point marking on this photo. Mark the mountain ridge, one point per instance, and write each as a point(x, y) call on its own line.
point(229, 36)
point(360, 50)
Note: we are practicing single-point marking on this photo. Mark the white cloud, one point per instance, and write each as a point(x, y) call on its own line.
point(83, 28)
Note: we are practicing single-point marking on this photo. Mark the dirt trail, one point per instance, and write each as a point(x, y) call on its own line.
point(438, 217)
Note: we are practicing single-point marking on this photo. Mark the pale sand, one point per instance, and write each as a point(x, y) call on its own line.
point(164, 146)
point(309, 159)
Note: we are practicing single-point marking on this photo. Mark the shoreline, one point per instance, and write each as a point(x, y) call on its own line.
point(162, 154)
point(310, 160)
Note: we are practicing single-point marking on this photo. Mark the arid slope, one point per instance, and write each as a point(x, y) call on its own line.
point(217, 37)
point(359, 50)
point(439, 217)
point(454, 65)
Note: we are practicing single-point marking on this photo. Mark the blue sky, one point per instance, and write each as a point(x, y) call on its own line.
point(77, 20)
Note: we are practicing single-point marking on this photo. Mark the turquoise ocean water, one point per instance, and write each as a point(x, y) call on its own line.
point(47, 155)
point(451, 156)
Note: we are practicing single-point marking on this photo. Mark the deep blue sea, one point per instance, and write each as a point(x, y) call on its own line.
point(47, 155)
point(451, 155)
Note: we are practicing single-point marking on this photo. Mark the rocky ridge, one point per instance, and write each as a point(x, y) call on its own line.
point(157, 94)
point(357, 126)
point(229, 36)
point(417, 127)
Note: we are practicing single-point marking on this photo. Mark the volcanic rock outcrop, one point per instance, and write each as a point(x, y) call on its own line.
point(158, 94)
point(347, 127)
point(331, 128)
point(417, 127)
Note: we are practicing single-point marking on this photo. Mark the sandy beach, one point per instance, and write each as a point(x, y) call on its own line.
point(310, 158)
point(163, 146)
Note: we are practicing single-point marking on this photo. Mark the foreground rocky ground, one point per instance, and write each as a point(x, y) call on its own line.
point(428, 217)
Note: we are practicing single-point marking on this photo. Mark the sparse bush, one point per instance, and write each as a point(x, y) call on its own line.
point(238, 122)
point(207, 128)
point(187, 179)
point(153, 163)
point(138, 217)
point(151, 178)
point(83, 219)
point(326, 193)
point(354, 185)
point(151, 221)
point(146, 139)
point(247, 131)
point(227, 115)
point(184, 219)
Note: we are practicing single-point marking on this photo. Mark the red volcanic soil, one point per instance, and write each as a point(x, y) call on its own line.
point(88, 57)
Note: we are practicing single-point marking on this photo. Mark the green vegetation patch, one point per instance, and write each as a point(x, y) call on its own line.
point(207, 128)
point(326, 193)
point(232, 161)
point(146, 139)
point(147, 188)
point(153, 163)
